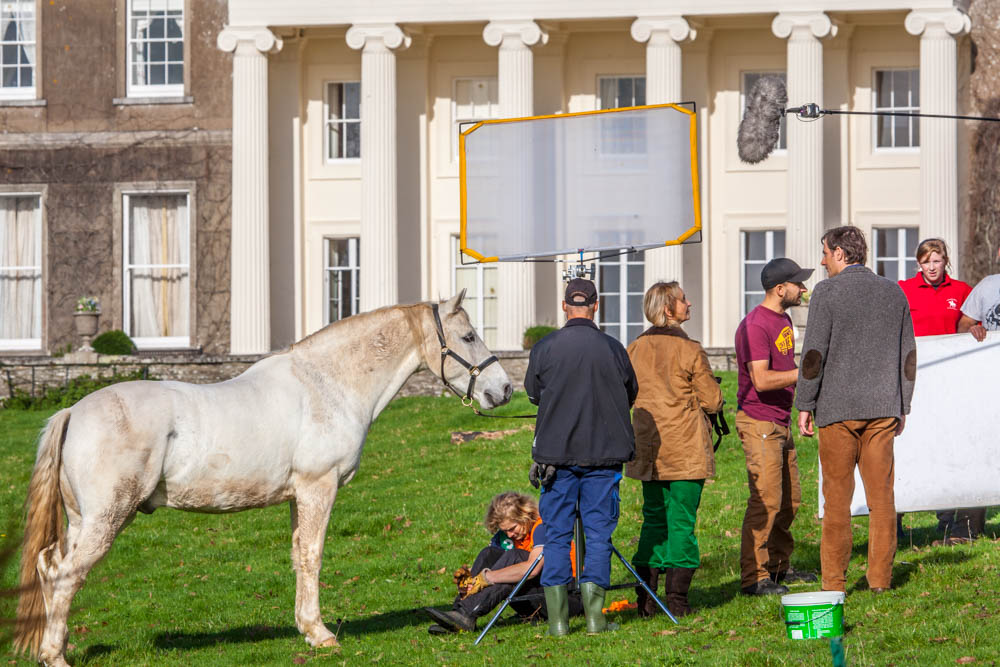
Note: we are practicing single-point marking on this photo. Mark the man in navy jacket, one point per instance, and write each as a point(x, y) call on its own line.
point(582, 381)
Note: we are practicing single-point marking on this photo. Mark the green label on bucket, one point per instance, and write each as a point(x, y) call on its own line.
point(814, 621)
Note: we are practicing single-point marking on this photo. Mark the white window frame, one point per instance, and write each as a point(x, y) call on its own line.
point(327, 122)
point(638, 148)
point(900, 258)
point(151, 342)
point(153, 90)
point(481, 296)
point(21, 92)
point(768, 256)
point(783, 124)
point(353, 267)
point(908, 108)
point(457, 122)
point(27, 344)
point(623, 263)
point(619, 77)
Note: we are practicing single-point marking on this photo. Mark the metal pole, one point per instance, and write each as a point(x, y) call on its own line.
point(642, 583)
point(509, 598)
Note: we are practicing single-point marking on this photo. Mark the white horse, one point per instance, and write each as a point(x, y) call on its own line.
point(290, 428)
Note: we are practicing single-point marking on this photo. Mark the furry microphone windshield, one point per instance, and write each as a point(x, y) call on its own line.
point(760, 127)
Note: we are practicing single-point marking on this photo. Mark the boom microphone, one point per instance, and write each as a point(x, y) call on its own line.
point(761, 124)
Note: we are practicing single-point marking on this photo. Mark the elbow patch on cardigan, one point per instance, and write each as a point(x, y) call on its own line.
point(811, 364)
point(910, 366)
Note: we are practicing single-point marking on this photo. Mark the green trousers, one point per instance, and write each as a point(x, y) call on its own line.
point(669, 512)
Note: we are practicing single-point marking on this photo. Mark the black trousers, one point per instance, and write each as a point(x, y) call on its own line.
point(483, 602)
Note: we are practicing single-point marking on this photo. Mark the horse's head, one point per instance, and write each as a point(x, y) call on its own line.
point(463, 359)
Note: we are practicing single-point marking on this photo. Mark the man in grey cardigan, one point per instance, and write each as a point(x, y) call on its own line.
point(859, 362)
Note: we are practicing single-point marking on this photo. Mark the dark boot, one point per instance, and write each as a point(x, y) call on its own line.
point(678, 585)
point(593, 603)
point(557, 609)
point(452, 619)
point(646, 605)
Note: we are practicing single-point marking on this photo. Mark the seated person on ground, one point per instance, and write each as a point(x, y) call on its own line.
point(517, 542)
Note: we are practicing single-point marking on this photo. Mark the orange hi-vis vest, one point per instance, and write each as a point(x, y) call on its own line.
point(528, 543)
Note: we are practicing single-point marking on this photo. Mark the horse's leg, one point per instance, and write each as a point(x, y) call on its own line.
point(310, 515)
point(63, 575)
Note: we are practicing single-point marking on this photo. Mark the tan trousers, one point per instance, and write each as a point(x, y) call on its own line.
point(775, 495)
point(867, 444)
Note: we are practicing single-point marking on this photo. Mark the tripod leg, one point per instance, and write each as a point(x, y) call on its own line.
point(652, 593)
point(510, 597)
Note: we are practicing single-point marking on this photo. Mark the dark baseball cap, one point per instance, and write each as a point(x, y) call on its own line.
point(783, 270)
point(580, 292)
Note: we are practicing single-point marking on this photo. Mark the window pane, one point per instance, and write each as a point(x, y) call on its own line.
point(352, 100)
point(916, 132)
point(334, 140)
point(915, 87)
point(779, 244)
point(611, 307)
point(465, 279)
point(175, 52)
point(175, 74)
point(751, 301)
point(911, 241)
point(353, 148)
point(883, 89)
point(884, 125)
point(159, 302)
point(607, 93)
point(635, 278)
point(610, 278)
point(158, 51)
point(911, 268)
point(901, 88)
point(633, 331)
point(156, 28)
point(886, 269)
point(755, 245)
point(338, 252)
point(334, 99)
point(21, 277)
point(902, 124)
point(751, 277)
point(174, 27)
point(624, 92)
point(157, 75)
point(490, 281)
point(640, 91)
point(635, 308)
point(888, 243)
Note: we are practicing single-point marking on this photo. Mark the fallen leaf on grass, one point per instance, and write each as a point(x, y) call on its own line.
point(939, 640)
point(299, 660)
point(752, 649)
point(965, 660)
point(925, 594)
point(665, 633)
point(442, 570)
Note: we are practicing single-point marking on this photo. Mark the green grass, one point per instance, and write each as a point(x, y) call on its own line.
point(188, 589)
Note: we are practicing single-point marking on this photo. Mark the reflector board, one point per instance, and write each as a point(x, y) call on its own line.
point(593, 181)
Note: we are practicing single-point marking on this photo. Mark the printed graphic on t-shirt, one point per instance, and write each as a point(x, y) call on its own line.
point(785, 341)
point(992, 318)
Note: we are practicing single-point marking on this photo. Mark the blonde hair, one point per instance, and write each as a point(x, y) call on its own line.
point(927, 246)
point(510, 506)
point(661, 298)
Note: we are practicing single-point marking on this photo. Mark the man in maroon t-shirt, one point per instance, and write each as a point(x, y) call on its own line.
point(765, 355)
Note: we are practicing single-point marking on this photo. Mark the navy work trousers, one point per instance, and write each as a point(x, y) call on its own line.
point(595, 490)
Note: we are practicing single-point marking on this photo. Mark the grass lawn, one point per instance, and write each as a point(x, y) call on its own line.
point(189, 589)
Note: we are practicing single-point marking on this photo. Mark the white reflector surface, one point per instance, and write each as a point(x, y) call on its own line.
point(552, 185)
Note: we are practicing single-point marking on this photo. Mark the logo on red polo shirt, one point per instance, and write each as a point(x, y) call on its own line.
point(952, 304)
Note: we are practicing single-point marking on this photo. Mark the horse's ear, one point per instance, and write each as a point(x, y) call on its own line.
point(454, 303)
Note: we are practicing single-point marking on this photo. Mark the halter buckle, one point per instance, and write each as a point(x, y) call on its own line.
point(444, 351)
point(474, 371)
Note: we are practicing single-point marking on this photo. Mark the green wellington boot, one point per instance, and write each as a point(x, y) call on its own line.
point(593, 602)
point(557, 608)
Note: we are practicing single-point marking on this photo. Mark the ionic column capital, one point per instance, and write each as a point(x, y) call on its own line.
point(816, 24)
point(677, 28)
point(390, 35)
point(527, 32)
point(259, 38)
point(951, 21)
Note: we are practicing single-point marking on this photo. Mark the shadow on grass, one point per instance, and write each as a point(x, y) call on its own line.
point(242, 635)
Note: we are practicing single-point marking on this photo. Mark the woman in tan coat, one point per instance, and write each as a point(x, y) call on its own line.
point(673, 445)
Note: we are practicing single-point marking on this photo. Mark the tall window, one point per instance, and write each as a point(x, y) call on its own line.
point(895, 252)
point(622, 135)
point(20, 272)
point(749, 79)
point(756, 250)
point(340, 279)
point(896, 90)
point(474, 100)
point(480, 284)
point(157, 284)
point(155, 48)
point(343, 120)
point(620, 290)
point(17, 49)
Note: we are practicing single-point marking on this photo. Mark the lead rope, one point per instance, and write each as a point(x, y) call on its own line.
point(474, 371)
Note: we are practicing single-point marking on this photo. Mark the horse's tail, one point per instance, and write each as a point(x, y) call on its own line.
point(44, 527)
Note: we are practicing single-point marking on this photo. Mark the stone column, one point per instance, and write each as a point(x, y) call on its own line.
point(515, 79)
point(249, 304)
point(663, 37)
point(804, 224)
point(937, 29)
point(378, 283)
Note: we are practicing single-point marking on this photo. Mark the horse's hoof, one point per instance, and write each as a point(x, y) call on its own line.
point(330, 642)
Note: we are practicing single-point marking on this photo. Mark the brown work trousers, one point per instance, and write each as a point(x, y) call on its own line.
point(867, 444)
point(775, 495)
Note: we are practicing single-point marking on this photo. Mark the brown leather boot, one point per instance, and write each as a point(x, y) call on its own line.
point(678, 584)
point(646, 606)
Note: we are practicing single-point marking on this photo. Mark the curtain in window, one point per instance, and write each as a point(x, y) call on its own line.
point(160, 274)
point(20, 268)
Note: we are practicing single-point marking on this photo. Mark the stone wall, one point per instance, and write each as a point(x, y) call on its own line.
point(34, 374)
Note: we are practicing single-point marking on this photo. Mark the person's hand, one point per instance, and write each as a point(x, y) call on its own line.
point(476, 584)
point(806, 423)
point(978, 332)
point(900, 425)
point(541, 474)
point(461, 578)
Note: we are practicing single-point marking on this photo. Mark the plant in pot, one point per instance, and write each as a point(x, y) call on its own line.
point(88, 312)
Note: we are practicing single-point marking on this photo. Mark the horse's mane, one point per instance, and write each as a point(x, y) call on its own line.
point(344, 326)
